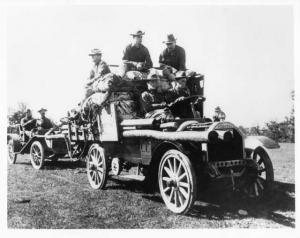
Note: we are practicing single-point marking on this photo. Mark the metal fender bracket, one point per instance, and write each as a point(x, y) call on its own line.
point(146, 151)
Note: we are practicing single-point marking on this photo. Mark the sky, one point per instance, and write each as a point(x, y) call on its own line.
point(244, 52)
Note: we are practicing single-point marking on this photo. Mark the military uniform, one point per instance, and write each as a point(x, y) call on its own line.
point(45, 123)
point(174, 58)
point(97, 71)
point(154, 104)
point(150, 97)
point(138, 54)
point(31, 125)
point(180, 92)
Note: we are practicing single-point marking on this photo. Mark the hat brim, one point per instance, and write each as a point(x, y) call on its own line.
point(168, 42)
point(138, 34)
point(44, 110)
point(95, 54)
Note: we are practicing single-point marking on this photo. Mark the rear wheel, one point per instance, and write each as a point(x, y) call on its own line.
point(177, 181)
point(259, 180)
point(37, 155)
point(96, 163)
point(12, 156)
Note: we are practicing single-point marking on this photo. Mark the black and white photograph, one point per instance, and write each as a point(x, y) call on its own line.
point(148, 115)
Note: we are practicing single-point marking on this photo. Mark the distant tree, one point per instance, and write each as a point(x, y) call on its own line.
point(15, 116)
point(244, 130)
point(255, 130)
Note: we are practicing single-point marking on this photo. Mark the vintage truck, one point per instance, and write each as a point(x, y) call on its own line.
point(175, 155)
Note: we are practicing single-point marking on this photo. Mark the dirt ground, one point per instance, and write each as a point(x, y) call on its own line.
point(59, 196)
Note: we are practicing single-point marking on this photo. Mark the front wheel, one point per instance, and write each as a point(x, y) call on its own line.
point(96, 164)
point(177, 181)
point(12, 156)
point(260, 179)
point(37, 155)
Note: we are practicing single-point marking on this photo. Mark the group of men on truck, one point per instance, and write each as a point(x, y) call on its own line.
point(164, 85)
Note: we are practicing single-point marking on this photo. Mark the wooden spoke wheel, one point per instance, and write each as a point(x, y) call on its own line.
point(12, 156)
point(177, 181)
point(259, 180)
point(37, 155)
point(96, 163)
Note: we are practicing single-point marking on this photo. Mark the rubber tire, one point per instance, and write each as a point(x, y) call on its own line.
point(105, 167)
point(41, 148)
point(192, 178)
point(269, 169)
point(12, 157)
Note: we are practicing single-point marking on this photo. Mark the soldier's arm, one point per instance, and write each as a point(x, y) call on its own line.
point(161, 105)
point(26, 123)
point(104, 69)
point(148, 105)
point(148, 61)
point(182, 60)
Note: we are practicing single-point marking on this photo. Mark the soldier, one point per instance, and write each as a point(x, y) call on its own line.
point(44, 123)
point(99, 69)
point(180, 88)
point(154, 101)
point(28, 123)
point(136, 56)
point(173, 57)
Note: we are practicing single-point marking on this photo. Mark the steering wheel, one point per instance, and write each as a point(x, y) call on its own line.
point(183, 101)
point(181, 107)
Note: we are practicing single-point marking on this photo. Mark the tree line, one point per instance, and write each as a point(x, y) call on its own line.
point(283, 131)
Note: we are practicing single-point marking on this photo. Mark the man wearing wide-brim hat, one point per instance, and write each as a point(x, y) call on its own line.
point(44, 123)
point(136, 56)
point(180, 85)
point(173, 55)
point(154, 100)
point(99, 69)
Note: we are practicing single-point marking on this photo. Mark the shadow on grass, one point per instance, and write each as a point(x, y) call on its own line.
point(63, 164)
point(226, 205)
point(57, 165)
point(220, 203)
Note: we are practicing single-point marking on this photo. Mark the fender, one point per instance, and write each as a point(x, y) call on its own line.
point(253, 142)
point(163, 146)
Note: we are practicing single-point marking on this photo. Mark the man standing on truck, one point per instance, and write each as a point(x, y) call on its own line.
point(99, 69)
point(136, 56)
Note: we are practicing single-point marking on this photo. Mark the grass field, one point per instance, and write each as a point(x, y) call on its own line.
point(60, 197)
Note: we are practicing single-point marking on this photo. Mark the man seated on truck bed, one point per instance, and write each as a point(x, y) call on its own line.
point(136, 56)
point(172, 59)
point(100, 68)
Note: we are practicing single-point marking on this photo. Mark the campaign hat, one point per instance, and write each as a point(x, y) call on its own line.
point(138, 33)
point(42, 110)
point(170, 39)
point(95, 52)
